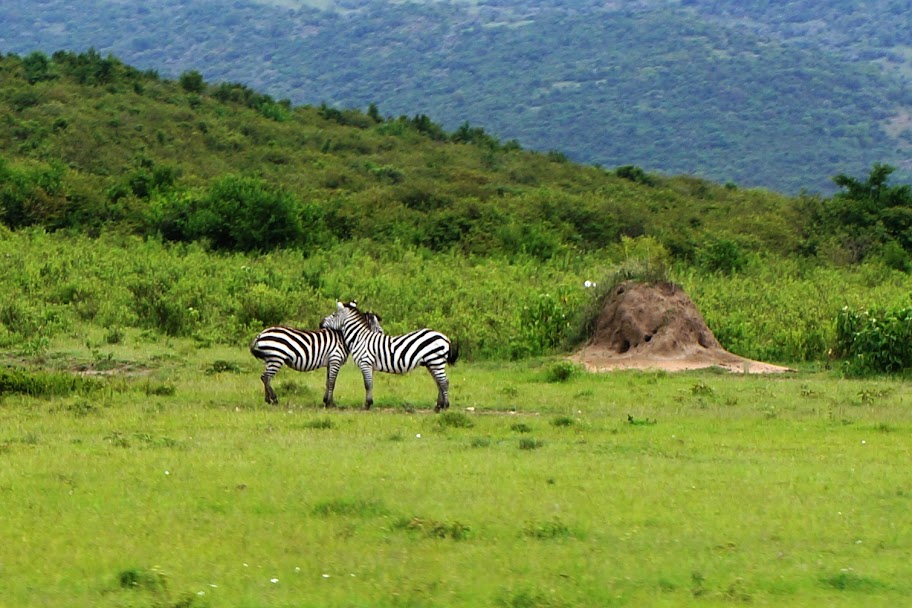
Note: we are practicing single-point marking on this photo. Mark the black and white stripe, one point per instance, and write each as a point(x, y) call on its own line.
point(304, 351)
point(393, 354)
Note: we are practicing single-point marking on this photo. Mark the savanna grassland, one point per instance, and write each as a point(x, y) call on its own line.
point(151, 228)
point(173, 485)
point(141, 468)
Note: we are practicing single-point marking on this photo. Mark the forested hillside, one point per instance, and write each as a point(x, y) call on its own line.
point(746, 95)
point(88, 141)
point(219, 210)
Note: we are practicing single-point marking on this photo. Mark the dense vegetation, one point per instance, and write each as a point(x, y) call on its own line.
point(777, 96)
point(193, 209)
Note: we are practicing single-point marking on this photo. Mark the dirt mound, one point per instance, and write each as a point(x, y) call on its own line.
point(657, 326)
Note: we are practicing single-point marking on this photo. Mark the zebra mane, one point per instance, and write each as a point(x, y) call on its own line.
point(368, 318)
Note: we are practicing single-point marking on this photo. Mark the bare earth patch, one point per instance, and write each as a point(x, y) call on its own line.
point(657, 326)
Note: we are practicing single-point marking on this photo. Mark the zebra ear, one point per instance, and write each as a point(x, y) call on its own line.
point(353, 304)
point(339, 305)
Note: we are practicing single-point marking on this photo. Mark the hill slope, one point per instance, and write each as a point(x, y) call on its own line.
point(88, 141)
point(732, 95)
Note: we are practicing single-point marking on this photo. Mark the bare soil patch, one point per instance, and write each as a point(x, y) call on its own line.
point(657, 326)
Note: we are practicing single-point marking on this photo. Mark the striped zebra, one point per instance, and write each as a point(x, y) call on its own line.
point(304, 351)
point(393, 354)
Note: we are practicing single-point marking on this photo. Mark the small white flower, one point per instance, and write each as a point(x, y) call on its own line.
point(418, 436)
point(325, 576)
point(201, 593)
point(273, 580)
point(167, 472)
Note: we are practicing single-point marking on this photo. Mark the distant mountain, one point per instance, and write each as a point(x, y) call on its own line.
point(779, 95)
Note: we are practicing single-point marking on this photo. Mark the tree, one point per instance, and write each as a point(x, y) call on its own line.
point(192, 82)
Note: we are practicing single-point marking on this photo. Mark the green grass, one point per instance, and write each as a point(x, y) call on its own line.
point(625, 489)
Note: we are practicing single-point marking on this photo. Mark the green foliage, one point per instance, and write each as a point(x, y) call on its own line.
point(237, 214)
point(874, 341)
point(561, 371)
point(635, 174)
point(192, 82)
point(865, 217)
point(722, 255)
point(682, 88)
point(32, 195)
point(38, 383)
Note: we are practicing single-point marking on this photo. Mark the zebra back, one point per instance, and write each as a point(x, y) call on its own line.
point(305, 350)
point(394, 354)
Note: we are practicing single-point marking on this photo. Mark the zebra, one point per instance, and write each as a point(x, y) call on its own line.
point(304, 351)
point(393, 354)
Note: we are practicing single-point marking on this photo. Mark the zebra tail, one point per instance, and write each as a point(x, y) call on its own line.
point(453, 355)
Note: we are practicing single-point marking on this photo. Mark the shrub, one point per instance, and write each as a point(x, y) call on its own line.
point(723, 256)
point(561, 371)
point(238, 214)
point(874, 341)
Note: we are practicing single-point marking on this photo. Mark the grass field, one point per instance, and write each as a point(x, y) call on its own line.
point(173, 484)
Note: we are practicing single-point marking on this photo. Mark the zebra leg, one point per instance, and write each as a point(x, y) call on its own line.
point(271, 396)
point(443, 387)
point(368, 374)
point(332, 372)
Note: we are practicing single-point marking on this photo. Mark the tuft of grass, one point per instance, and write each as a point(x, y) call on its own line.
point(290, 387)
point(527, 599)
point(350, 507)
point(454, 420)
point(37, 383)
point(432, 528)
point(319, 424)
point(114, 335)
point(640, 421)
point(701, 388)
point(220, 366)
point(117, 439)
point(143, 580)
point(561, 371)
point(527, 443)
point(159, 389)
point(846, 580)
point(521, 427)
point(82, 408)
point(563, 421)
point(480, 442)
point(547, 530)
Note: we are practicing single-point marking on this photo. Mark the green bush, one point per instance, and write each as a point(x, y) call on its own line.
point(238, 214)
point(875, 341)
